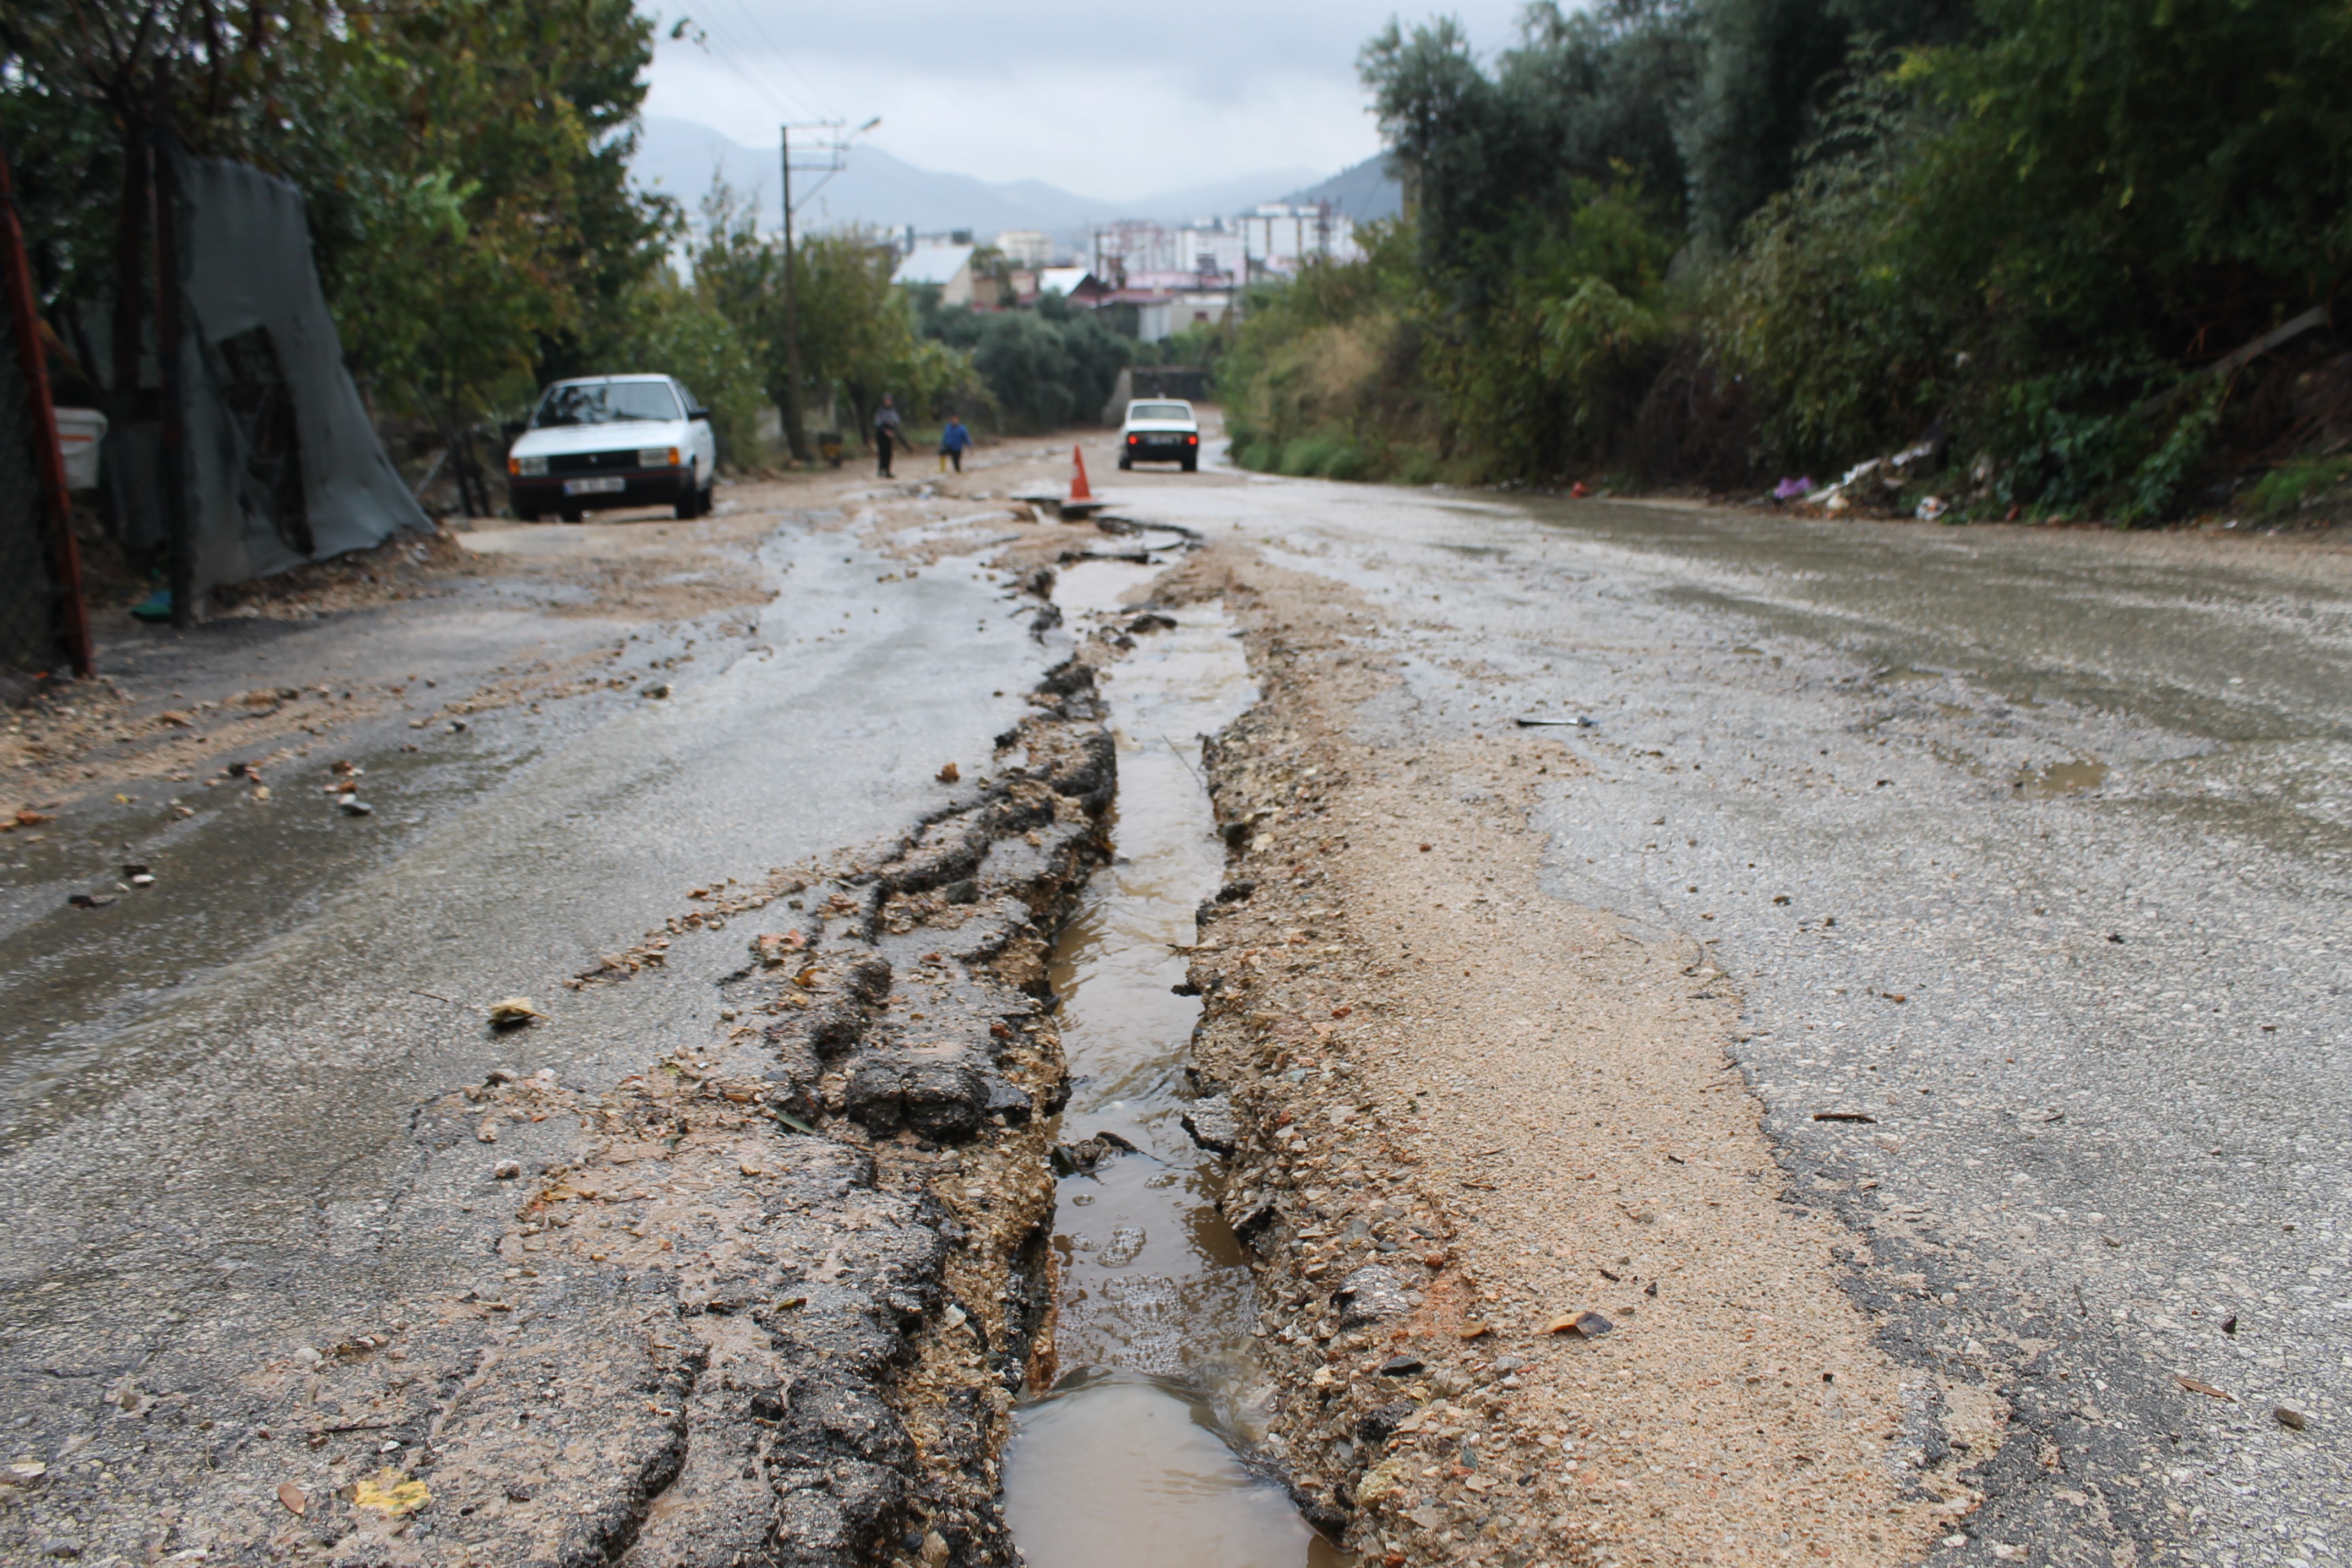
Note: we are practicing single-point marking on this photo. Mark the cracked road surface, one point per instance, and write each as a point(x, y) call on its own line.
point(209, 1153)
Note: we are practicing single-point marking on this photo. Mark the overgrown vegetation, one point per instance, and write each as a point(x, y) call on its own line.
point(1728, 240)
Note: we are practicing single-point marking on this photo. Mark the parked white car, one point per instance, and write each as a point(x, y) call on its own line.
point(610, 441)
point(1160, 430)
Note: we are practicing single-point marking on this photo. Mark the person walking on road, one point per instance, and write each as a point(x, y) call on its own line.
point(954, 441)
point(886, 433)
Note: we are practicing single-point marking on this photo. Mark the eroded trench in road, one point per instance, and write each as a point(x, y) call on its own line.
point(1144, 1450)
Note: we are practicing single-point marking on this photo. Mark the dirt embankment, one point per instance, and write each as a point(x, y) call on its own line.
point(767, 1299)
point(1531, 1288)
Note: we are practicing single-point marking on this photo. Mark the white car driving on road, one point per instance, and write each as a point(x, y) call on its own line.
point(1160, 430)
point(612, 440)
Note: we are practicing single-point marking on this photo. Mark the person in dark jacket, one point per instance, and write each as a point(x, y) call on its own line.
point(954, 441)
point(886, 433)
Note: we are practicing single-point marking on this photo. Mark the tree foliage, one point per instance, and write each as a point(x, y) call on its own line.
point(858, 333)
point(1043, 368)
point(464, 161)
point(2016, 226)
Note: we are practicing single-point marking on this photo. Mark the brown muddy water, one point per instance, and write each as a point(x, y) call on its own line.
point(1141, 1454)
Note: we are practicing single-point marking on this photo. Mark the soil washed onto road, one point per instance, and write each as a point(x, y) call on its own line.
point(1645, 1034)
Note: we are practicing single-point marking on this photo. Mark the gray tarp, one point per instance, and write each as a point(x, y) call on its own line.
point(283, 463)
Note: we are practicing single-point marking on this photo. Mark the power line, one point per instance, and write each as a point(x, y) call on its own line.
point(749, 17)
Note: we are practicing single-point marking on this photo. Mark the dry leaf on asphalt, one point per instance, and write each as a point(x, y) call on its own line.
point(513, 1012)
point(291, 1497)
point(2194, 1386)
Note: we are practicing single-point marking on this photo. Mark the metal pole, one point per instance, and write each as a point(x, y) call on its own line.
point(793, 434)
point(179, 529)
point(65, 556)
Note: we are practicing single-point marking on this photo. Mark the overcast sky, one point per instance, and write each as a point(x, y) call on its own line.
point(1114, 100)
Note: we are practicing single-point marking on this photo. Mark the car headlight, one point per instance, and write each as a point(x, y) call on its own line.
point(658, 457)
point(525, 468)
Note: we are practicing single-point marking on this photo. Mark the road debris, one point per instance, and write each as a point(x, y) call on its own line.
point(393, 1493)
point(513, 1013)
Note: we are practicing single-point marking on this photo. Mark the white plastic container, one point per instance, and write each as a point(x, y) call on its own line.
point(80, 430)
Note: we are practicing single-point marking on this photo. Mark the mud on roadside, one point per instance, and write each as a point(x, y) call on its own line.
point(1534, 1288)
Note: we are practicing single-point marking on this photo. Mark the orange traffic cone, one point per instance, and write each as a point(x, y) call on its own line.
point(1078, 491)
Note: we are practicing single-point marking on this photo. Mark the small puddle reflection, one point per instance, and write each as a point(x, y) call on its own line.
point(2060, 779)
point(1136, 1457)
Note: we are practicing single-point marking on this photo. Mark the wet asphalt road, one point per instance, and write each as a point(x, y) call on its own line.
point(2030, 847)
point(211, 1082)
point(2087, 969)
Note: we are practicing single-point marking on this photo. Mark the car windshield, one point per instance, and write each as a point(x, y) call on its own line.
point(1157, 411)
point(604, 403)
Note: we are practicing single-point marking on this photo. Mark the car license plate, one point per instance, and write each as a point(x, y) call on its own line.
point(594, 486)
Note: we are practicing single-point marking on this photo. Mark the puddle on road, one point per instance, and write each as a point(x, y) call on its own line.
point(1136, 1457)
point(2060, 779)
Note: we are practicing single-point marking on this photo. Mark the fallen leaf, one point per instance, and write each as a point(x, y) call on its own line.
point(951, 773)
point(1473, 1330)
point(1584, 1325)
point(393, 1493)
point(2194, 1386)
point(2288, 1417)
point(513, 1012)
point(750, 1167)
point(291, 1497)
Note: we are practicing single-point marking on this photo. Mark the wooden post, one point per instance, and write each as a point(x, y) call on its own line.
point(795, 436)
point(65, 554)
point(179, 526)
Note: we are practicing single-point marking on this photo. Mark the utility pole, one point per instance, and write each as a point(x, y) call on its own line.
point(827, 157)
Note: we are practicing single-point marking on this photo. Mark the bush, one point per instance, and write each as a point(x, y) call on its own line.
point(1042, 369)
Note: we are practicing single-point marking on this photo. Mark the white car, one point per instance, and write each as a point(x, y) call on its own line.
point(1160, 430)
point(612, 440)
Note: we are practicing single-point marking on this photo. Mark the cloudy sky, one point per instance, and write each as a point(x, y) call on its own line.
point(1113, 100)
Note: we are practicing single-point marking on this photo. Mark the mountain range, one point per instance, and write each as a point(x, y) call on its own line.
point(680, 158)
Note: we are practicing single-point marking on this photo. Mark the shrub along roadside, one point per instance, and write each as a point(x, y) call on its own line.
point(2019, 233)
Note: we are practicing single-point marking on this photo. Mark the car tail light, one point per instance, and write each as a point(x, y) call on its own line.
point(1135, 441)
point(1191, 440)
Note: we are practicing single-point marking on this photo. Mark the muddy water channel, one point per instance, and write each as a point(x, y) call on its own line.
point(1138, 1455)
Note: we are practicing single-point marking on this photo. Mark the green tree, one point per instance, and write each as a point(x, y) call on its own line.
point(1043, 368)
point(858, 331)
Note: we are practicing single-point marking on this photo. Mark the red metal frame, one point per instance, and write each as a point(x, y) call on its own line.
point(64, 553)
